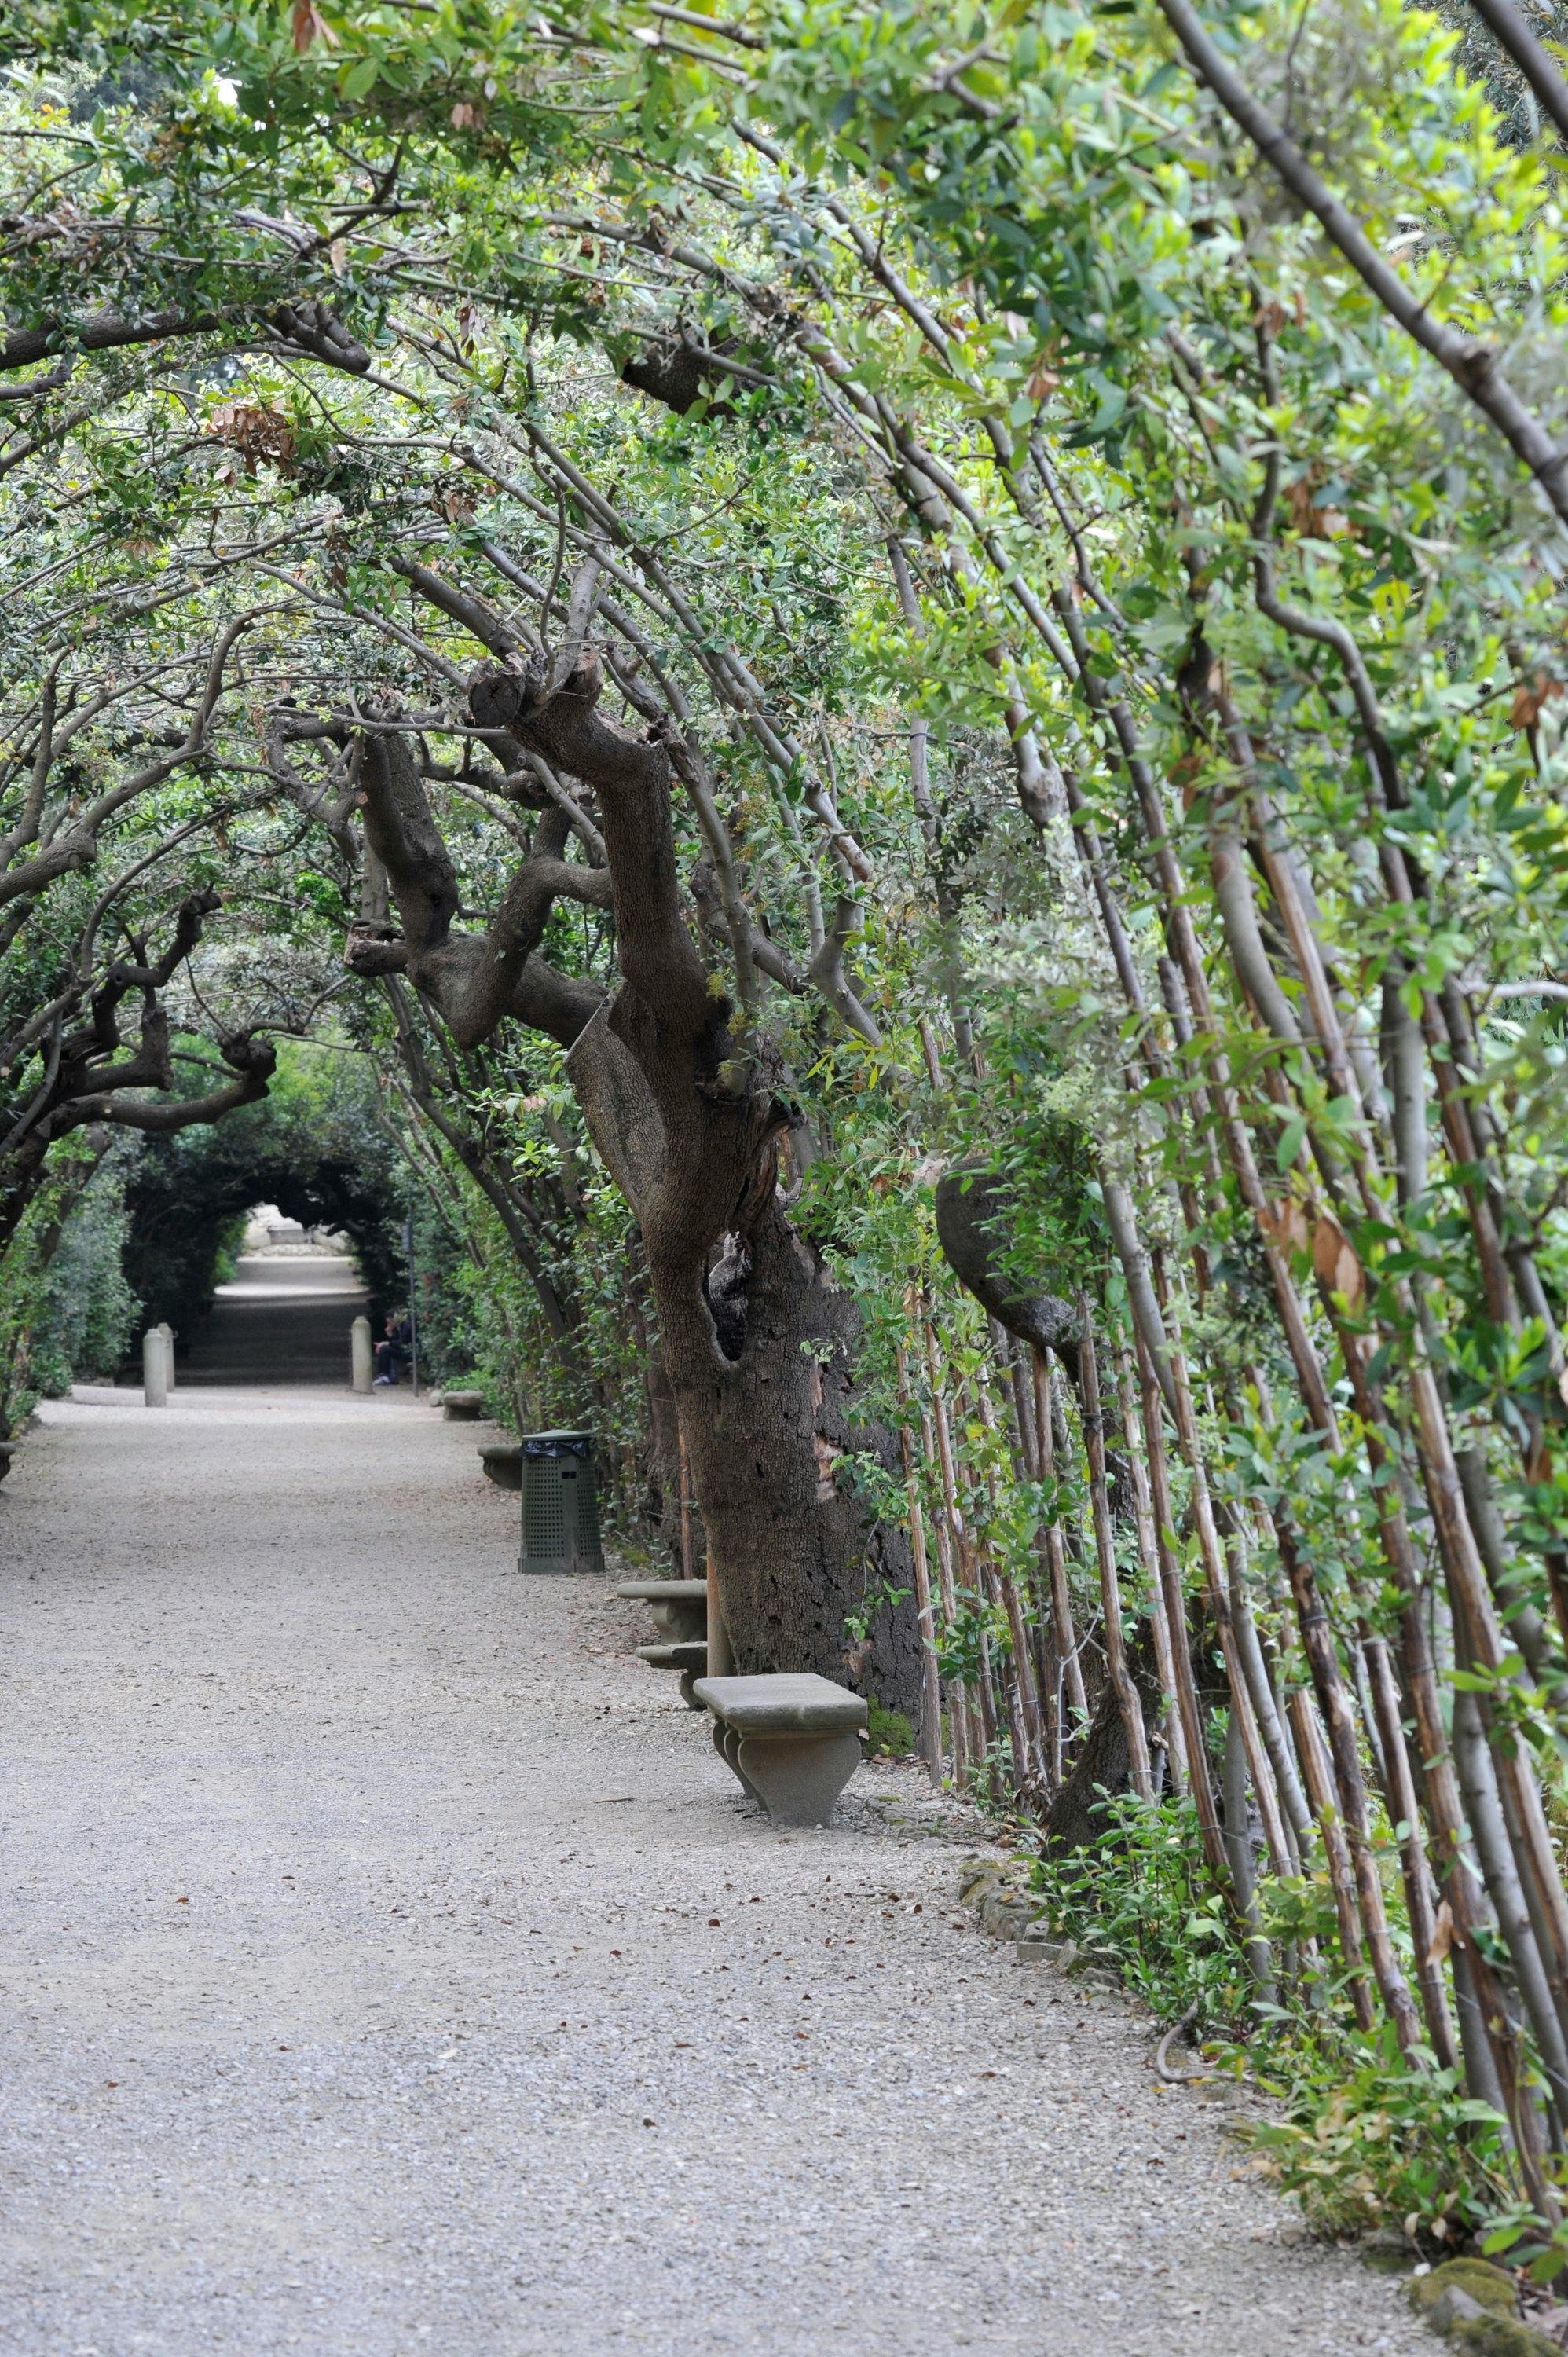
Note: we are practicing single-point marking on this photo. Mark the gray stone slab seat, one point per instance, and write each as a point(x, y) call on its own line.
point(678, 1606)
point(462, 1407)
point(792, 1740)
point(690, 1659)
point(502, 1461)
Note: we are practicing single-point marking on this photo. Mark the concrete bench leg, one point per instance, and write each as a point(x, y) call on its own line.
point(796, 1778)
point(687, 1696)
point(680, 1622)
point(726, 1743)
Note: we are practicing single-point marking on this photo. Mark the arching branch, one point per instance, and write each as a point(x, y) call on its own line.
point(253, 1062)
point(474, 980)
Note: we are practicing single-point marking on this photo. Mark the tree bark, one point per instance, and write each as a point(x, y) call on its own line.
point(766, 1433)
point(757, 1341)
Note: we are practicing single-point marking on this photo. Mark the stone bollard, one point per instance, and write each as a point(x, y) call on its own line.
point(154, 1370)
point(360, 1353)
point(167, 1333)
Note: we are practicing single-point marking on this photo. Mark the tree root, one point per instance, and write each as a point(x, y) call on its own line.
point(1177, 2078)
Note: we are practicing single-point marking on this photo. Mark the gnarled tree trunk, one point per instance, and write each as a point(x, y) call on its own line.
point(765, 1435)
point(679, 1101)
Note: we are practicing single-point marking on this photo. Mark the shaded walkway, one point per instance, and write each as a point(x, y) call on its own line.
point(282, 1320)
point(388, 1965)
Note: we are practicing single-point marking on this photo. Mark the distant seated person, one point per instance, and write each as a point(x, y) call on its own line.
point(393, 1355)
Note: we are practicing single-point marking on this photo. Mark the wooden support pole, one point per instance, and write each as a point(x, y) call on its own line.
point(1148, 1555)
point(1199, 1781)
point(1055, 1551)
point(977, 1735)
point(930, 1742)
point(1312, 1752)
point(1121, 1676)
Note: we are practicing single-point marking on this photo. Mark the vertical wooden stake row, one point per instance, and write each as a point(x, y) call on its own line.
point(1121, 1676)
point(1056, 1559)
point(930, 1681)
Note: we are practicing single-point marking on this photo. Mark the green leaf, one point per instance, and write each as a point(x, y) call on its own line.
point(1290, 1138)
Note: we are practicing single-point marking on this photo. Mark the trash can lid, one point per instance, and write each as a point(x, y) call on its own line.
point(558, 1444)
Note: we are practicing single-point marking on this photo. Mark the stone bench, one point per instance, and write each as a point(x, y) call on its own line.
point(7, 1457)
point(678, 1606)
point(462, 1407)
point(792, 1740)
point(690, 1658)
point(502, 1461)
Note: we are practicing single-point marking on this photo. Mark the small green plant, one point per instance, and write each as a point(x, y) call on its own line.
point(1142, 1899)
point(1367, 2138)
point(890, 1735)
point(1370, 2141)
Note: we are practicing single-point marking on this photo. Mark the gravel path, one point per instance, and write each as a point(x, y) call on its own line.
point(388, 1965)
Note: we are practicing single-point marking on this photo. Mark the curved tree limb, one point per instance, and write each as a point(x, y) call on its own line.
point(253, 1061)
point(304, 325)
point(474, 980)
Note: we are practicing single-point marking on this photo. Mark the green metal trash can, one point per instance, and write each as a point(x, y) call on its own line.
point(560, 1505)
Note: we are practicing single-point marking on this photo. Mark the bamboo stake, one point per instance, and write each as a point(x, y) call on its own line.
point(1317, 1639)
point(981, 1701)
point(1441, 1789)
point(1010, 1679)
point(1295, 1815)
point(930, 1682)
point(1200, 1779)
point(1148, 1555)
point(979, 1579)
point(1030, 1763)
point(1220, 1604)
point(1473, 1601)
point(1341, 1874)
point(1121, 1677)
point(1239, 1848)
point(1014, 1417)
point(958, 1696)
point(1045, 1665)
point(1400, 1788)
point(1055, 1553)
